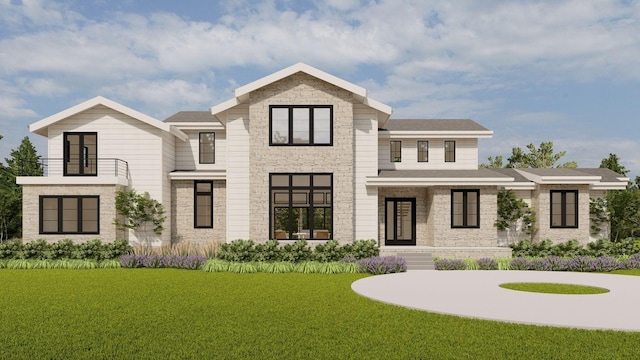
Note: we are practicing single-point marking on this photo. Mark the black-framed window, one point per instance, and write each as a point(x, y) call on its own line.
point(423, 151)
point(301, 125)
point(564, 208)
point(301, 206)
point(207, 148)
point(69, 214)
point(80, 154)
point(465, 208)
point(202, 204)
point(449, 151)
point(400, 221)
point(395, 151)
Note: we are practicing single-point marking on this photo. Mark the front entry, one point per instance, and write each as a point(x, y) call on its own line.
point(400, 221)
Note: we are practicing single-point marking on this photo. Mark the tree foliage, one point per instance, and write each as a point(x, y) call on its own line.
point(514, 215)
point(24, 161)
point(138, 211)
point(536, 157)
point(620, 209)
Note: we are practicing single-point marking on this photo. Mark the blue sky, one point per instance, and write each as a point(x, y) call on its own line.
point(561, 71)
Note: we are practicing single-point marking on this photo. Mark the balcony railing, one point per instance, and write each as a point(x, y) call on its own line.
point(85, 167)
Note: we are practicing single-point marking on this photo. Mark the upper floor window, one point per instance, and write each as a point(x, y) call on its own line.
point(423, 151)
point(465, 208)
point(80, 154)
point(301, 125)
point(207, 149)
point(564, 208)
point(395, 151)
point(449, 151)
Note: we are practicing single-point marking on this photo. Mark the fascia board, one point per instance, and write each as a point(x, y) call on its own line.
point(198, 175)
point(377, 181)
point(437, 134)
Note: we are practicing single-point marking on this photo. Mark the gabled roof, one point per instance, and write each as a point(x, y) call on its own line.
point(190, 116)
point(435, 128)
point(241, 94)
point(41, 126)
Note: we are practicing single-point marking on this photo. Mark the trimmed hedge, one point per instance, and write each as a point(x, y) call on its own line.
point(572, 248)
point(64, 249)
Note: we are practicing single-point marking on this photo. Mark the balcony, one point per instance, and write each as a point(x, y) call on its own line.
point(76, 171)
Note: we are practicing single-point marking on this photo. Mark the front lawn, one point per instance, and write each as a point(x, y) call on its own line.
point(169, 313)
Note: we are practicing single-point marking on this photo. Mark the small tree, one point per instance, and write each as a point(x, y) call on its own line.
point(514, 215)
point(138, 211)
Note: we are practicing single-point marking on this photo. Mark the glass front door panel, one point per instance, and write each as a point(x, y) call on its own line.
point(400, 222)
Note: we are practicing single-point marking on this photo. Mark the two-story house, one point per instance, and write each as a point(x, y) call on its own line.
point(297, 154)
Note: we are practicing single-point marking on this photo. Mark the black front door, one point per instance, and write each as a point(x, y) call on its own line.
point(400, 221)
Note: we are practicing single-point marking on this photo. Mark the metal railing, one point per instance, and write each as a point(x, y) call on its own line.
point(85, 167)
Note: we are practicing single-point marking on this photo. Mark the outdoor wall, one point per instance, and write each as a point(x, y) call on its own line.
point(31, 217)
point(187, 152)
point(365, 150)
point(301, 89)
point(182, 221)
point(440, 216)
point(466, 154)
point(238, 173)
point(541, 201)
point(423, 237)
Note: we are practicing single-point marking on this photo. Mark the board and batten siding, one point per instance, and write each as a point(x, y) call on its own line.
point(466, 155)
point(238, 206)
point(365, 209)
point(120, 136)
point(187, 152)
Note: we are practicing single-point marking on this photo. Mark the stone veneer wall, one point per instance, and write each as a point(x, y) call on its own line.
point(444, 235)
point(541, 203)
point(423, 237)
point(182, 221)
point(31, 208)
point(301, 89)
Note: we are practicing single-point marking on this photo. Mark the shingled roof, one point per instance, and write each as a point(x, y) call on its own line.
point(190, 116)
point(433, 125)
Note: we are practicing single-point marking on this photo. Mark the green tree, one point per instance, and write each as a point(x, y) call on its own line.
point(139, 211)
point(494, 163)
point(514, 215)
point(24, 161)
point(540, 157)
point(619, 209)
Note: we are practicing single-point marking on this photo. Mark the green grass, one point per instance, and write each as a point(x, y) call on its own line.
point(554, 288)
point(170, 313)
point(635, 272)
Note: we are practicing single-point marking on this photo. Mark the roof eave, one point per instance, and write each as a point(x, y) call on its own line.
point(407, 134)
point(426, 181)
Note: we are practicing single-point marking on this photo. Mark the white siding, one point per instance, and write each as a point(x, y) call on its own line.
point(365, 199)
point(238, 207)
point(466, 155)
point(168, 165)
point(122, 137)
point(187, 152)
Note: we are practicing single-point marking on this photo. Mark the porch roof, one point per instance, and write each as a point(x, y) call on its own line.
point(482, 177)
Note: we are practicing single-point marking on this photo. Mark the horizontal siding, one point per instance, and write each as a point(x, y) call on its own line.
point(466, 155)
point(238, 204)
point(187, 152)
point(365, 208)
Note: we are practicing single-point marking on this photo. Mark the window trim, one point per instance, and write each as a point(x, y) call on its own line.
point(197, 193)
point(200, 147)
point(291, 189)
point(392, 158)
point(465, 207)
point(453, 151)
point(422, 151)
point(60, 215)
point(66, 155)
point(290, 124)
point(563, 209)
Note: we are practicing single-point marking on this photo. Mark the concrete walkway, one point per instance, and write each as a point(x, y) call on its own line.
point(476, 294)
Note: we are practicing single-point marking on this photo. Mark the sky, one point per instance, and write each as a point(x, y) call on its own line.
point(531, 71)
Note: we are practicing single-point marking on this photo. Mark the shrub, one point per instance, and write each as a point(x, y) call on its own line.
point(520, 264)
point(299, 251)
point(378, 265)
point(541, 264)
point(446, 264)
point(487, 264)
point(580, 263)
point(130, 261)
point(269, 251)
point(63, 249)
point(570, 248)
point(238, 250)
point(632, 263)
point(37, 249)
point(10, 249)
point(330, 251)
point(605, 264)
point(361, 249)
point(556, 263)
point(472, 264)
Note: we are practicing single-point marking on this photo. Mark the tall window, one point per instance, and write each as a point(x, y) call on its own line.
point(423, 151)
point(465, 208)
point(449, 151)
point(395, 151)
point(301, 206)
point(564, 208)
point(301, 125)
point(81, 154)
point(207, 148)
point(69, 214)
point(203, 204)
point(400, 221)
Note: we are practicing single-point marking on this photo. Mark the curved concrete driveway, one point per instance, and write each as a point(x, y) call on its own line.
point(476, 294)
